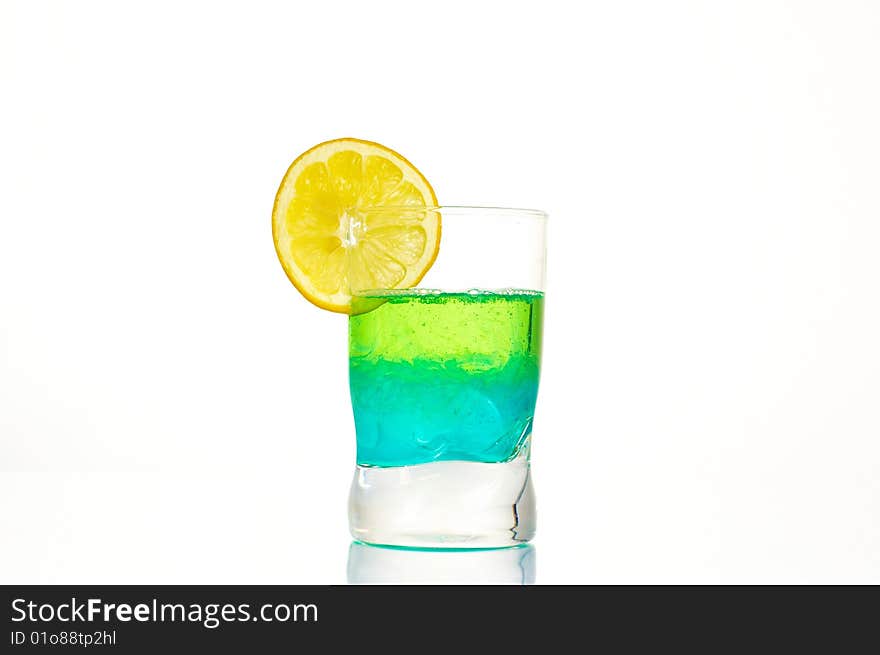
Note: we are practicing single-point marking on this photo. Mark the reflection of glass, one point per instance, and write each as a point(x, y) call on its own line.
point(377, 565)
point(444, 379)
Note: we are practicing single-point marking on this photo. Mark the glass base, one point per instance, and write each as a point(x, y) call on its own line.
point(382, 565)
point(444, 504)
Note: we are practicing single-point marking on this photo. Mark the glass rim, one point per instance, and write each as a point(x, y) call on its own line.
point(512, 212)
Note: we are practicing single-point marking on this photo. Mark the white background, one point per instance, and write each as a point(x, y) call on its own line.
point(171, 410)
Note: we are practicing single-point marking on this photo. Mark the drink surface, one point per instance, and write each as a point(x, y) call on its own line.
point(444, 376)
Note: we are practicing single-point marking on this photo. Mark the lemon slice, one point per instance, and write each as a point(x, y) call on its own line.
point(350, 214)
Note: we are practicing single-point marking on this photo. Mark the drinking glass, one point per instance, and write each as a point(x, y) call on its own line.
point(444, 380)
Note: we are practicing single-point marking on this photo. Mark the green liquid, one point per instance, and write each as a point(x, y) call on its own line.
point(444, 376)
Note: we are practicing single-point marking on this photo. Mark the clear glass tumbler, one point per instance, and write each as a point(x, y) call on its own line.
point(444, 380)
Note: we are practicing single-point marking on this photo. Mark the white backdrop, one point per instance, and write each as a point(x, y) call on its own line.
point(171, 410)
